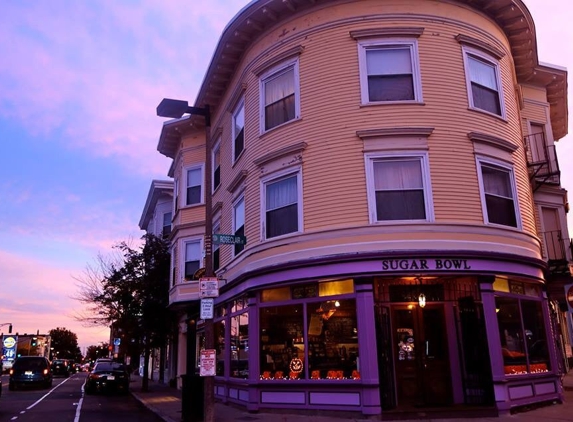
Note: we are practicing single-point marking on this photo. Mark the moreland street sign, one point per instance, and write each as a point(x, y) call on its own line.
point(229, 239)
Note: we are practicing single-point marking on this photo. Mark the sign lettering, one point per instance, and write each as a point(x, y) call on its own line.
point(448, 264)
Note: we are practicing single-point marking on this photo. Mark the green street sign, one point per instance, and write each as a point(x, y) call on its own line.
point(229, 239)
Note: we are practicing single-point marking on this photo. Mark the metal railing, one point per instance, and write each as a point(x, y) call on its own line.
point(541, 160)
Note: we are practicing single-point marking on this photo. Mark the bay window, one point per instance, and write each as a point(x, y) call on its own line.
point(194, 192)
point(389, 71)
point(239, 223)
point(282, 199)
point(398, 187)
point(498, 193)
point(192, 260)
point(279, 95)
point(238, 130)
point(483, 82)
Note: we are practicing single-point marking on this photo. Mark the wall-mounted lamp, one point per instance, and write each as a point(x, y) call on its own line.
point(422, 300)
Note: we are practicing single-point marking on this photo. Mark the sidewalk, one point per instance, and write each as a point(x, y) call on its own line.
point(165, 401)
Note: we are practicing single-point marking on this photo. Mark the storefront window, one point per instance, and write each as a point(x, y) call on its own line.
point(282, 342)
point(240, 345)
point(331, 339)
point(522, 333)
point(219, 329)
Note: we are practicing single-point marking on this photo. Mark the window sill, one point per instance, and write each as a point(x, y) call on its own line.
point(265, 132)
point(393, 103)
point(488, 113)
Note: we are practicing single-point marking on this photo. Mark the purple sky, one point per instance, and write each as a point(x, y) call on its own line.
point(79, 84)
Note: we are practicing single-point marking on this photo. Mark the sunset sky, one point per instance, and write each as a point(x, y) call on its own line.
point(79, 84)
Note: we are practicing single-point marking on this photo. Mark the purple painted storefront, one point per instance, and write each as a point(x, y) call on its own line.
point(392, 333)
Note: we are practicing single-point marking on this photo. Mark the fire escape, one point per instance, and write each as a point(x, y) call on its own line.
point(544, 170)
point(541, 161)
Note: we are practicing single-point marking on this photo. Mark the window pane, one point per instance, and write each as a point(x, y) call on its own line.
point(511, 335)
point(282, 221)
point(535, 337)
point(279, 87)
point(500, 211)
point(280, 112)
point(499, 196)
point(390, 88)
point(239, 120)
point(482, 73)
point(332, 340)
point(281, 193)
point(486, 99)
point(397, 174)
point(388, 61)
point(194, 177)
point(282, 342)
point(400, 205)
point(219, 330)
point(240, 346)
point(194, 195)
point(238, 246)
point(239, 143)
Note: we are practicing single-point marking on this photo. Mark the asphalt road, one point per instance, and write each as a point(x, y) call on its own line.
point(66, 402)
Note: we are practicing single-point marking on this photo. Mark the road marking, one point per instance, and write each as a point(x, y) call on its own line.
point(79, 408)
point(46, 395)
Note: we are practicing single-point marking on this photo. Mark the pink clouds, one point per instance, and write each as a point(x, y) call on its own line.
point(29, 311)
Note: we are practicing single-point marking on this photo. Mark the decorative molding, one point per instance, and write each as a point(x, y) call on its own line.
point(217, 207)
point(387, 32)
point(479, 44)
point(484, 138)
point(239, 91)
point(239, 178)
point(275, 60)
point(394, 132)
point(271, 156)
point(218, 131)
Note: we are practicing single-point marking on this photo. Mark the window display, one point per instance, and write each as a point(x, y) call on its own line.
point(240, 346)
point(326, 350)
point(522, 334)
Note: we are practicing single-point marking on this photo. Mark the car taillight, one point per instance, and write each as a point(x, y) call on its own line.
point(94, 376)
point(11, 371)
point(46, 371)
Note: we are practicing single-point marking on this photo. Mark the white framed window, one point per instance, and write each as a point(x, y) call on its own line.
point(216, 164)
point(239, 222)
point(281, 204)
point(280, 96)
point(238, 129)
point(192, 259)
point(389, 71)
point(194, 185)
point(483, 82)
point(166, 228)
point(175, 194)
point(399, 187)
point(498, 193)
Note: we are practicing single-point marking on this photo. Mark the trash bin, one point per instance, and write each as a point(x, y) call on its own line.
point(192, 398)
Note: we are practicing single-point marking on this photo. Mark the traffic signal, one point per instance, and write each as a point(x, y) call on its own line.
point(10, 329)
point(34, 341)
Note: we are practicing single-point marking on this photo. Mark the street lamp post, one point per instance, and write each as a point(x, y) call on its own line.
point(175, 109)
point(9, 324)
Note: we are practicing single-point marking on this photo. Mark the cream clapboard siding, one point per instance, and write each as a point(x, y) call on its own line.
point(333, 162)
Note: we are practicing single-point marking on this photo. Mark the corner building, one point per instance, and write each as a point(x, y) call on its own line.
point(392, 167)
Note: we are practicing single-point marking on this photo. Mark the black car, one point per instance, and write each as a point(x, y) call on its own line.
point(107, 377)
point(61, 367)
point(30, 371)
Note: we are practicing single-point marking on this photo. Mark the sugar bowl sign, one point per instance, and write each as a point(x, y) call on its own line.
point(433, 264)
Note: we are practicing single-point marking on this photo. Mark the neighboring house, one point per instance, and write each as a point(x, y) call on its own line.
point(156, 219)
point(392, 166)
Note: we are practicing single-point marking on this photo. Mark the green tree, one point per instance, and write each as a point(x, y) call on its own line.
point(131, 295)
point(94, 352)
point(65, 344)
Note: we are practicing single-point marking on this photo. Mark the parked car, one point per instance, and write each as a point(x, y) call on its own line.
point(107, 377)
point(61, 367)
point(30, 371)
